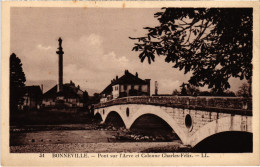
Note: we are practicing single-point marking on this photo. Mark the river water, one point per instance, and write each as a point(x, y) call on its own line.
point(101, 138)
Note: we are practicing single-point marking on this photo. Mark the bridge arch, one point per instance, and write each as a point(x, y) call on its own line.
point(225, 124)
point(163, 115)
point(151, 123)
point(115, 119)
point(226, 142)
point(98, 117)
point(104, 112)
point(137, 111)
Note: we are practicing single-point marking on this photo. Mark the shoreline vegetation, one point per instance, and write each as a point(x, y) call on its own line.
point(50, 117)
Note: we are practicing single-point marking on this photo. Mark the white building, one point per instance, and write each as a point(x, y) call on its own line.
point(127, 85)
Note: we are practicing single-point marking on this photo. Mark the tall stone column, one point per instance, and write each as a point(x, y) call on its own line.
point(60, 53)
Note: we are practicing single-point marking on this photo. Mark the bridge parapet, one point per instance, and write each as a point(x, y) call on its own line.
point(234, 105)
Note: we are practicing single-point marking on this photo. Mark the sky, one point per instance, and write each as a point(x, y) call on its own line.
point(96, 47)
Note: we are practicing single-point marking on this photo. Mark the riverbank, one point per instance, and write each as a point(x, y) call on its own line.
point(88, 138)
point(130, 147)
point(83, 133)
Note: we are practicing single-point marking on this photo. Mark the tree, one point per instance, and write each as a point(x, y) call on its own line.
point(229, 93)
point(243, 90)
point(85, 96)
point(175, 92)
point(96, 98)
point(183, 89)
point(192, 90)
point(205, 93)
point(224, 93)
point(17, 80)
point(212, 43)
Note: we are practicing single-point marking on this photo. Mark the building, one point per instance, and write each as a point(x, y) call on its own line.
point(32, 98)
point(70, 96)
point(127, 85)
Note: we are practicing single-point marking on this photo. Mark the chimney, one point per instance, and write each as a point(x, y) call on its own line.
point(136, 74)
point(60, 53)
point(42, 87)
point(148, 86)
point(116, 77)
point(156, 88)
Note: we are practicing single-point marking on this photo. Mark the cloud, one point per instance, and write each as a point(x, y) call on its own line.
point(110, 62)
point(87, 64)
point(39, 63)
point(168, 85)
point(84, 61)
point(41, 47)
point(96, 49)
point(92, 39)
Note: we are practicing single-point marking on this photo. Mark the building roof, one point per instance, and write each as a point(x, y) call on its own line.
point(33, 91)
point(51, 93)
point(107, 90)
point(69, 91)
point(127, 78)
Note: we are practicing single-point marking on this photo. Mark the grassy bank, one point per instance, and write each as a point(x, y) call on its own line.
point(49, 117)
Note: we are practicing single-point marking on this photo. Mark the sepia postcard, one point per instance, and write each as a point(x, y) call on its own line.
point(147, 83)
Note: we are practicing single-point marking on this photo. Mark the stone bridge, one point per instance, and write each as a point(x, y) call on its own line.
point(193, 119)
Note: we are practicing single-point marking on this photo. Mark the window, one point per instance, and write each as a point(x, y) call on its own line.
point(127, 112)
point(188, 122)
point(125, 87)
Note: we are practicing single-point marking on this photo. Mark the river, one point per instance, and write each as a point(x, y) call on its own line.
point(86, 138)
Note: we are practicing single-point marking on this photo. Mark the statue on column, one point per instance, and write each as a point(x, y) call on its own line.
point(60, 51)
point(60, 42)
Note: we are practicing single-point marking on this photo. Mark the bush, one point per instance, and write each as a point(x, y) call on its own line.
point(49, 117)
